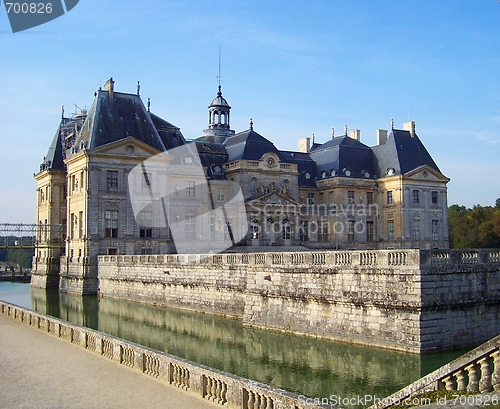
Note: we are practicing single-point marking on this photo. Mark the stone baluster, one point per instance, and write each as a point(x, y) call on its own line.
point(251, 400)
point(461, 380)
point(448, 383)
point(208, 387)
point(495, 378)
point(218, 392)
point(473, 385)
point(223, 393)
point(485, 381)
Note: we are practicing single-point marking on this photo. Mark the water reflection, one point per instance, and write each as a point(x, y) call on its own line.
point(312, 367)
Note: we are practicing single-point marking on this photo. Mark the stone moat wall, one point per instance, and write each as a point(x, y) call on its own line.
point(412, 300)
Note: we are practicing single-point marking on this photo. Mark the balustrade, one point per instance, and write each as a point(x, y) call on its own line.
point(107, 348)
point(179, 376)
point(127, 356)
point(214, 389)
point(254, 400)
point(151, 365)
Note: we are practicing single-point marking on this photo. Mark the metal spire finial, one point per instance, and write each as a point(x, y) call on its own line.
point(149, 104)
point(62, 111)
point(392, 123)
point(345, 129)
point(138, 87)
point(251, 124)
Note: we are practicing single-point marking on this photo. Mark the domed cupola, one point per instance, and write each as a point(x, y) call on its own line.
point(218, 120)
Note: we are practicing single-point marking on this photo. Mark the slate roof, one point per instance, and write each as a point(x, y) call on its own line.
point(304, 165)
point(249, 145)
point(403, 153)
point(342, 153)
point(54, 157)
point(212, 156)
point(110, 121)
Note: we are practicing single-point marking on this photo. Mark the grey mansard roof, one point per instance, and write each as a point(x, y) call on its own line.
point(110, 120)
point(249, 145)
point(54, 158)
point(402, 152)
point(343, 153)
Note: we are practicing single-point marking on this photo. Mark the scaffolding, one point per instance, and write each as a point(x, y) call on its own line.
point(28, 236)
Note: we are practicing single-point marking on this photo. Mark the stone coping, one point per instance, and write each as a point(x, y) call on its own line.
point(220, 387)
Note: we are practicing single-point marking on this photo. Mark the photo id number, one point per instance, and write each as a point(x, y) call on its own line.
point(29, 8)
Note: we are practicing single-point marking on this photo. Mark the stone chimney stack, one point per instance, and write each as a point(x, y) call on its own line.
point(381, 136)
point(110, 87)
point(355, 134)
point(410, 126)
point(305, 145)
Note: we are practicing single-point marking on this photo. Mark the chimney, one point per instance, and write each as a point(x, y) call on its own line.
point(355, 134)
point(305, 145)
point(381, 136)
point(110, 87)
point(410, 126)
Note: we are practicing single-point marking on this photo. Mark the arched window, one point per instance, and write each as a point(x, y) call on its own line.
point(253, 186)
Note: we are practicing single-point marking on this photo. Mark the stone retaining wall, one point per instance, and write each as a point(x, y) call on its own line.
point(412, 300)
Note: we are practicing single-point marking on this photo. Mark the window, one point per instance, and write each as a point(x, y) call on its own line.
point(253, 186)
point(369, 198)
point(435, 230)
point(416, 230)
point(190, 228)
point(221, 194)
point(254, 229)
point(82, 179)
point(350, 196)
point(416, 196)
point(227, 224)
point(112, 252)
point(369, 230)
point(212, 227)
point(390, 229)
point(434, 197)
point(111, 223)
point(190, 188)
point(73, 183)
point(310, 198)
point(331, 198)
point(323, 230)
point(146, 223)
point(147, 250)
point(303, 231)
point(320, 197)
point(389, 197)
point(286, 230)
point(350, 230)
point(146, 180)
point(72, 226)
point(80, 223)
point(112, 179)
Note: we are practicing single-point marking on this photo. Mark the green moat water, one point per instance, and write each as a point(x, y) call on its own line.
point(306, 366)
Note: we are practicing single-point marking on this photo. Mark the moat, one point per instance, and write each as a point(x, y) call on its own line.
point(305, 366)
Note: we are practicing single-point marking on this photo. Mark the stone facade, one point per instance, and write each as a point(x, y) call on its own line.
point(412, 300)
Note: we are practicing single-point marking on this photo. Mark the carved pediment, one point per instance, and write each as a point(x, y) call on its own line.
point(426, 173)
point(272, 198)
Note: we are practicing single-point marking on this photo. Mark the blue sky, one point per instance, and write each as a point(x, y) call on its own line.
point(294, 67)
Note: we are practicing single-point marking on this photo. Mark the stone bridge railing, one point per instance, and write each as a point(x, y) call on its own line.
point(222, 388)
point(380, 258)
point(477, 371)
